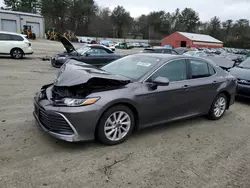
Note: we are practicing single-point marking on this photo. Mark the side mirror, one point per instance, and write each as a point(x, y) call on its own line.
point(161, 81)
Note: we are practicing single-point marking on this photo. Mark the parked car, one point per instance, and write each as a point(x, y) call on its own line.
point(224, 63)
point(133, 92)
point(242, 73)
point(124, 45)
point(195, 53)
point(160, 50)
point(85, 40)
point(94, 54)
point(108, 44)
point(14, 44)
point(181, 50)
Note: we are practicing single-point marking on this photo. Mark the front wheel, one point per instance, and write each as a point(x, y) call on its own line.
point(115, 125)
point(218, 107)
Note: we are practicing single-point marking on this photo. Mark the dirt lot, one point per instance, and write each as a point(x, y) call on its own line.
point(192, 154)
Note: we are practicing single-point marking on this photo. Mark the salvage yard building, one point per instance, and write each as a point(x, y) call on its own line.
point(13, 21)
point(183, 39)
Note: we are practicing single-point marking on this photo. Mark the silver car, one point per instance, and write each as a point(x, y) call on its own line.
point(131, 93)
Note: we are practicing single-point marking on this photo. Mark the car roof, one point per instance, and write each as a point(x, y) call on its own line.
point(12, 33)
point(169, 57)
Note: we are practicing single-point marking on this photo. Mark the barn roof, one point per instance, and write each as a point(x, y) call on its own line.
point(200, 37)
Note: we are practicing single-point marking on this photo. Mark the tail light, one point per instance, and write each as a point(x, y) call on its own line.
point(28, 43)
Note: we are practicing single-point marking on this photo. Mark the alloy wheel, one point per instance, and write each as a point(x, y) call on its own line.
point(117, 126)
point(219, 107)
point(17, 54)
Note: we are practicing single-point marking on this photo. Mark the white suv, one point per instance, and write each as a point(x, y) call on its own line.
point(14, 44)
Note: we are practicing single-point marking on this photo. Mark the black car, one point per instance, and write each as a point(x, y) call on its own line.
point(242, 73)
point(160, 50)
point(94, 54)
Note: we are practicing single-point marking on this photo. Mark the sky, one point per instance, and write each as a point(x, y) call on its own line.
point(225, 9)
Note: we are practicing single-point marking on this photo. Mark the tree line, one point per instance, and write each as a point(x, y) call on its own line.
point(86, 18)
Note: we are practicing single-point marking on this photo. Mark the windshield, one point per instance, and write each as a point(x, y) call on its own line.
point(82, 50)
point(132, 66)
point(245, 64)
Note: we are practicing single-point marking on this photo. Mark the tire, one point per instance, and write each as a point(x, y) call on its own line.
point(220, 103)
point(118, 132)
point(33, 36)
point(16, 53)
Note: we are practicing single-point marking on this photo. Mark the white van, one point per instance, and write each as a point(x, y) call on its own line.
point(14, 44)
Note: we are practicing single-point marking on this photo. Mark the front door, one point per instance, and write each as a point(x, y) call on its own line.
point(166, 103)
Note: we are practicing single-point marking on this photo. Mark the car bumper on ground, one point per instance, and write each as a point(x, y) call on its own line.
point(71, 124)
point(243, 90)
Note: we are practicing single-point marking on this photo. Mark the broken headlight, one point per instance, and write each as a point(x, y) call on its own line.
point(80, 102)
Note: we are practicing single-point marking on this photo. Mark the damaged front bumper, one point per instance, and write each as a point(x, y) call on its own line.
point(69, 138)
point(71, 124)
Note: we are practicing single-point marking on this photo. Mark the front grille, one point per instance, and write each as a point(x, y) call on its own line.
point(54, 122)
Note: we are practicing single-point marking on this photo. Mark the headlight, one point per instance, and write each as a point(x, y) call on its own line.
point(80, 102)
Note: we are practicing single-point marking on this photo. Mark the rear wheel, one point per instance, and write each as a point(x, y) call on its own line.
point(33, 36)
point(16, 53)
point(218, 107)
point(115, 125)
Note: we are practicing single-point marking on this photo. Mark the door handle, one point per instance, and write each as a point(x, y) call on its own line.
point(185, 86)
point(214, 82)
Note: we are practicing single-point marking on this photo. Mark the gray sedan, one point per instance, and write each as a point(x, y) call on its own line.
point(131, 93)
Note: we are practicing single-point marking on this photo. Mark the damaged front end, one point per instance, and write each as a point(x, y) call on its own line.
point(76, 81)
point(78, 95)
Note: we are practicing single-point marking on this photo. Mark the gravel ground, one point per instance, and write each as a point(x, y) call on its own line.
point(192, 154)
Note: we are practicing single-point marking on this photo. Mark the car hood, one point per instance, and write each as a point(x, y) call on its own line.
point(74, 73)
point(66, 43)
point(220, 61)
point(240, 73)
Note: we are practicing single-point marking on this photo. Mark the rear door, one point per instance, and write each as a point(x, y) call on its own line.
point(203, 83)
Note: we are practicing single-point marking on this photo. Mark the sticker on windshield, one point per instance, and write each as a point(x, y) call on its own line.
point(143, 64)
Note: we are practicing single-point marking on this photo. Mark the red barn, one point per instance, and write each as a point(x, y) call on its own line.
point(183, 39)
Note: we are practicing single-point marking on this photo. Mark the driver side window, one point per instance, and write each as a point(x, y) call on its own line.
point(175, 71)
